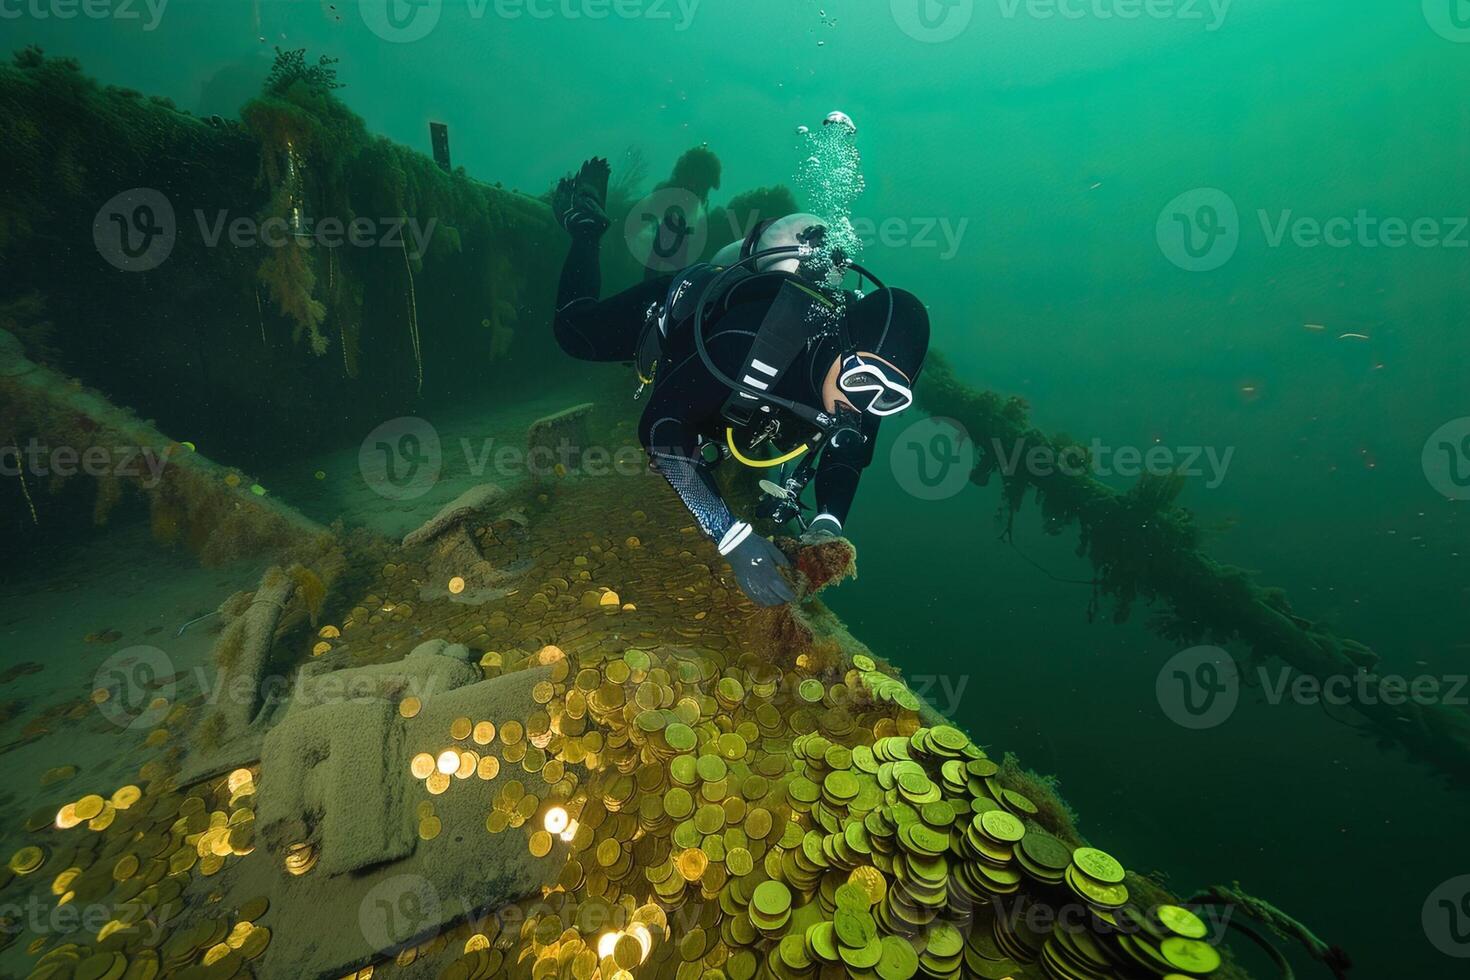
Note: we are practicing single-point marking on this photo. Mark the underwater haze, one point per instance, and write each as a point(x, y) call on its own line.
point(1225, 243)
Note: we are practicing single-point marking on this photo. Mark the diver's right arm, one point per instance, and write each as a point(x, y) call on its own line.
point(585, 326)
point(581, 214)
point(576, 297)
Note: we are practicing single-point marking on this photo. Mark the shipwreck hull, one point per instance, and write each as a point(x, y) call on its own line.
point(620, 746)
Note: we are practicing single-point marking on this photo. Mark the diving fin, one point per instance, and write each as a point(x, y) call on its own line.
point(591, 181)
point(579, 203)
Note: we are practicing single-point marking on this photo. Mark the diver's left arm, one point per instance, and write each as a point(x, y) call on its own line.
point(673, 444)
point(838, 473)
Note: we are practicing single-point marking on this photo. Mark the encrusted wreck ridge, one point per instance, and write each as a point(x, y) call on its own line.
point(1143, 546)
point(209, 508)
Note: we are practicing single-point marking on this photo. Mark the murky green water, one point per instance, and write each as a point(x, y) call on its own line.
point(1234, 233)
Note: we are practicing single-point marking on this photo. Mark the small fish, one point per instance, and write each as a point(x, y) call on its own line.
point(1353, 336)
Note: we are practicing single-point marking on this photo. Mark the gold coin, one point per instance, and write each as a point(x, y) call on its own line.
point(104, 819)
point(422, 765)
point(1098, 865)
point(409, 707)
point(255, 943)
point(540, 843)
point(692, 863)
point(237, 935)
point(870, 880)
point(27, 860)
point(739, 861)
point(484, 733)
point(89, 806)
point(460, 729)
point(1190, 955)
point(429, 828)
point(62, 883)
point(1182, 922)
point(253, 909)
point(125, 868)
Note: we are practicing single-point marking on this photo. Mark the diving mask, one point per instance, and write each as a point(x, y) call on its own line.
point(873, 386)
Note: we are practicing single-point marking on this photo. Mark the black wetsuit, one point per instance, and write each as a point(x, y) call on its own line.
point(686, 402)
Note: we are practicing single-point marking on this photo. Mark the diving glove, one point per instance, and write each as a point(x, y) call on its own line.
point(579, 203)
point(757, 566)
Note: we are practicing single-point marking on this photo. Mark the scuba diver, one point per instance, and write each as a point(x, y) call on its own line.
point(758, 348)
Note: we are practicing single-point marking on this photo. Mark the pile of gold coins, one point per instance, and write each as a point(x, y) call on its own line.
point(141, 851)
point(716, 809)
point(789, 823)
